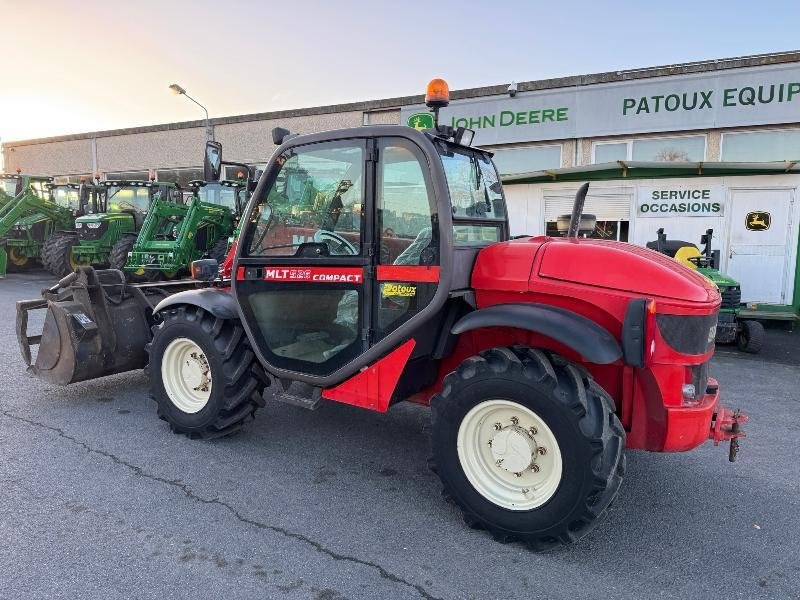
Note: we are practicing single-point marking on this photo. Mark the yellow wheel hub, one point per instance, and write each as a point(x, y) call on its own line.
point(17, 259)
point(74, 263)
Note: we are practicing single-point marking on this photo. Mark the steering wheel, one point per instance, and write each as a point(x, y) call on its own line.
point(338, 245)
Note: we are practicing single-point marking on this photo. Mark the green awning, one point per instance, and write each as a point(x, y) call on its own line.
point(653, 170)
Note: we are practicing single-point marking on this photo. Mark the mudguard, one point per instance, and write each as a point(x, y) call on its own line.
point(582, 335)
point(217, 301)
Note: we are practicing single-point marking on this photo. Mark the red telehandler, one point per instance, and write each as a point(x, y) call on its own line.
point(374, 265)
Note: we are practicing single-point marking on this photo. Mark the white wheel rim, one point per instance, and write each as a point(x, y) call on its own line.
point(186, 375)
point(509, 455)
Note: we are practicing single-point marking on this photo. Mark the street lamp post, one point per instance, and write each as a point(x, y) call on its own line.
point(179, 91)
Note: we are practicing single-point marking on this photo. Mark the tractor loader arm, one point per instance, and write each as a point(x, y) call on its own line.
point(582, 335)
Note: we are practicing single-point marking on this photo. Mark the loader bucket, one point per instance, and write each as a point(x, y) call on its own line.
point(95, 325)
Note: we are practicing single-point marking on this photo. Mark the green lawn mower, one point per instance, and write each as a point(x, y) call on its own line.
point(32, 216)
point(106, 233)
point(747, 334)
point(173, 235)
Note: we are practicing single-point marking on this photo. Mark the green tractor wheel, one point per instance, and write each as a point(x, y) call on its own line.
point(750, 337)
point(58, 257)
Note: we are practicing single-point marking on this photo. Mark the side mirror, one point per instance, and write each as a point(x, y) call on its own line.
point(212, 162)
point(205, 269)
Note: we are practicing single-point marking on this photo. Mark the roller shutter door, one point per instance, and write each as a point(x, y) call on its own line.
point(607, 207)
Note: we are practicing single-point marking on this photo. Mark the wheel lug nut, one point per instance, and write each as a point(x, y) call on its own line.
point(533, 431)
point(535, 468)
point(514, 421)
point(499, 462)
point(525, 490)
point(490, 443)
point(517, 474)
point(498, 426)
point(542, 450)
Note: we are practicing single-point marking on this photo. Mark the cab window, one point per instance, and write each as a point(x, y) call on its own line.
point(476, 194)
point(315, 205)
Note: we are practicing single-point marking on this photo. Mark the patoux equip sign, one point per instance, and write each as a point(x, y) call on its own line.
point(699, 201)
point(736, 97)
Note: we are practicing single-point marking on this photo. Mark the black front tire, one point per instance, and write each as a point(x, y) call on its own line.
point(237, 379)
point(750, 337)
point(580, 415)
point(119, 252)
point(57, 254)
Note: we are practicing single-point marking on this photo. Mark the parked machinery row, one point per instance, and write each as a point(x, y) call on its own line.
point(150, 230)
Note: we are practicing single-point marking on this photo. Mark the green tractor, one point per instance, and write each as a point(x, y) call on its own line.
point(173, 235)
point(32, 216)
point(106, 233)
point(747, 334)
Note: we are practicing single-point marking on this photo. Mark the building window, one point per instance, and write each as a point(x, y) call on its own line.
point(761, 146)
point(690, 148)
point(181, 177)
point(676, 149)
point(72, 178)
point(610, 152)
point(232, 173)
point(526, 160)
point(128, 176)
point(604, 230)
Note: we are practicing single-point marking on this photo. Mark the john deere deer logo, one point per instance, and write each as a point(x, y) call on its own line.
point(758, 221)
point(420, 121)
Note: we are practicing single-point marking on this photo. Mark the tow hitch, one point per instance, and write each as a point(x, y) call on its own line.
point(726, 426)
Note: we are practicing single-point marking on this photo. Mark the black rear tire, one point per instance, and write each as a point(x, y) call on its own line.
point(237, 380)
point(57, 253)
point(220, 250)
point(578, 412)
point(750, 337)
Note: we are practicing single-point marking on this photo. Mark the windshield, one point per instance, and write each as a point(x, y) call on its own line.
point(128, 198)
point(8, 186)
point(216, 193)
point(66, 197)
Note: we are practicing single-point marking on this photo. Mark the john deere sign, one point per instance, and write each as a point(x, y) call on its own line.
point(702, 201)
point(738, 97)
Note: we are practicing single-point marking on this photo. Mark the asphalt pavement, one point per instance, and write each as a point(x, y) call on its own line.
point(99, 500)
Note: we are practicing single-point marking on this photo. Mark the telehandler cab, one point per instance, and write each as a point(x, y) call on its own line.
point(541, 358)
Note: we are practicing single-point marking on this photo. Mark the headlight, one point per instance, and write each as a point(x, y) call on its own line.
point(78, 225)
point(95, 225)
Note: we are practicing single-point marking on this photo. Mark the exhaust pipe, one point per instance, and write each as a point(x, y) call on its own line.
point(96, 325)
point(577, 211)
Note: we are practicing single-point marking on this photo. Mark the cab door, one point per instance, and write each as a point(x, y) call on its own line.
point(301, 275)
point(339, 253)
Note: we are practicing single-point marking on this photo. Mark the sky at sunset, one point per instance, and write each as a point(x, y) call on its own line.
point(75, 66)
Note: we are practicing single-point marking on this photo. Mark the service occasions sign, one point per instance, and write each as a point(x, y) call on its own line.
point(683, 201)
point(730, 98)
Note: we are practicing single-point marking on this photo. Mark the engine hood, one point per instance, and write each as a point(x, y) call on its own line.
point(625, 267)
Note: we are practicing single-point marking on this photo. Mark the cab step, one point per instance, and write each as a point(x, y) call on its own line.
point(299, 394)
